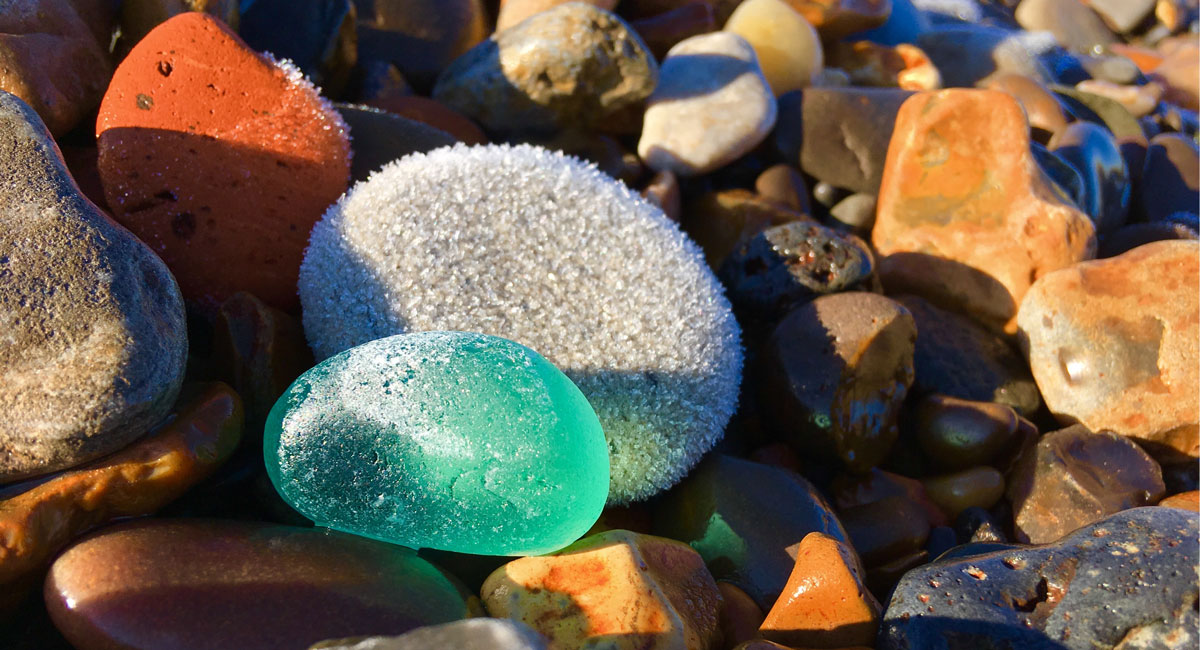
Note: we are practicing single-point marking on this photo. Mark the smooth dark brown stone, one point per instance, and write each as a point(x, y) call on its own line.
point(723, 220)
point(783, 184)
point(956, 433)
point(886, 529)
point(849, 490)
point(978, 487)
point(201, 584)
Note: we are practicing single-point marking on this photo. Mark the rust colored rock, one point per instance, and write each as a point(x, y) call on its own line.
point(904, 66)
point(783, 184)
point(825, 604)
point(886, 529)
point(631, 591)
point(1185, 500)
point(835, 19)
point(514, 11)
point(1041, 106)
point(435, 114)
point(1115, 344)
point(662, 31)
point(720, 221)
point(159, 583)
point(740, 615)
point(849, 490)
point(966, 218)
point(219, 159)
point(663, 191)
point(1074, 477)
point(138, 480)
point(260, 351)
point(979, 487)
point(138, 17)
point(836, 372)
point(54, 56)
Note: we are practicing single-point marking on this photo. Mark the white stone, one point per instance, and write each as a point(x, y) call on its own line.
point(711, 106)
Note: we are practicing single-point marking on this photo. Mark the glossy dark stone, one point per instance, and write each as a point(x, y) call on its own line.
point(850, 490)
point(745, 519)
point(1101, 110)
point(1067, 179)
point(722, 220)
point(1170, 177)
point(790, 264)
point(1073, 477)
point(850, 155)
point(200, 584)
point(836, 371)
point(1130, 236)
point(956, 357)
point(957, 433)
point(886, 529)
point(941, 539)
point(980, 486)
point(1128, 581)
point(317, 35)
point(379, 137)
point(1093, 152)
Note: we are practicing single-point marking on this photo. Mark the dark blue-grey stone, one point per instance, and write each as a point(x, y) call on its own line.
point(1129, 580)
point(317, 35)
point(1092, 151)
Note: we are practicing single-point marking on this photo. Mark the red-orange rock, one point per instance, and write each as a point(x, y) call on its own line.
point(435, 114)
point(620, 589)
point(138, 480)
point(53, 57)
point(966, 218)
point(1115, 344)
point(219, 159)
point(825, 604)
point(1185, 500)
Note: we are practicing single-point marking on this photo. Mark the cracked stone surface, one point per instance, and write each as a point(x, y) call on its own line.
point(1128, 581)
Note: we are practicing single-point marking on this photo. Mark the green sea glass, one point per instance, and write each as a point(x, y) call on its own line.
point(448, 440)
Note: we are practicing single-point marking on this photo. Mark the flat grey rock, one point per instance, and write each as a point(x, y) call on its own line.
point(92, 333)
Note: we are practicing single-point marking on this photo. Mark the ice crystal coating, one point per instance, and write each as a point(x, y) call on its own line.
point(540, 248)
point(448, 440)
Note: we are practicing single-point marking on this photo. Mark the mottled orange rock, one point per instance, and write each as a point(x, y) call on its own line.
point(138, 480)
point(835, 19)
point(825, 604)
point(1186, 500)
point(220, 159)
point(1115, 344)
point(54, 56)
point(904, 66)
point(966, 218)
point(631, 591)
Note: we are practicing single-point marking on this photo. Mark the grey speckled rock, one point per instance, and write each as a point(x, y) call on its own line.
point(1128, 581)
point(92, 334)
point(573, 65)
point(471, 634)
point(712, 106)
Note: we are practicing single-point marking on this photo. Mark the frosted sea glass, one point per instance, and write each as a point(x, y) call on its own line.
point(449, 440)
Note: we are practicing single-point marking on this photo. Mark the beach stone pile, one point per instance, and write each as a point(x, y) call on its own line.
point(553, 325)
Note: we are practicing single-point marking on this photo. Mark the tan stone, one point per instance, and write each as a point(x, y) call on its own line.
point(1115, 344)
point(966, 218)
point(825, 604)
point(788, 48)
point(52, 57)
point(617, 590)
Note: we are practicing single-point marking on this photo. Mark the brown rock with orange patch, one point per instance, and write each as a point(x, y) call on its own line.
point(219, 159)
point(1115, 344)
point(825, 604)
point(835, 19)
point(54, 57)
point(966, 218)
point(45, 514)
point(614, 590)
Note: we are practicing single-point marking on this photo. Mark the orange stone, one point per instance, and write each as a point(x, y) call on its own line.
point(619, 589)
point(136, 481)
point(220, 159)
point(1185, 500)
point(825, 604)
point(966, 218)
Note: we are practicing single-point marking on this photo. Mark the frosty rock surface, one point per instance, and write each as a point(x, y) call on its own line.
point(538, 248)
point(92, 335)
point(447, 440)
